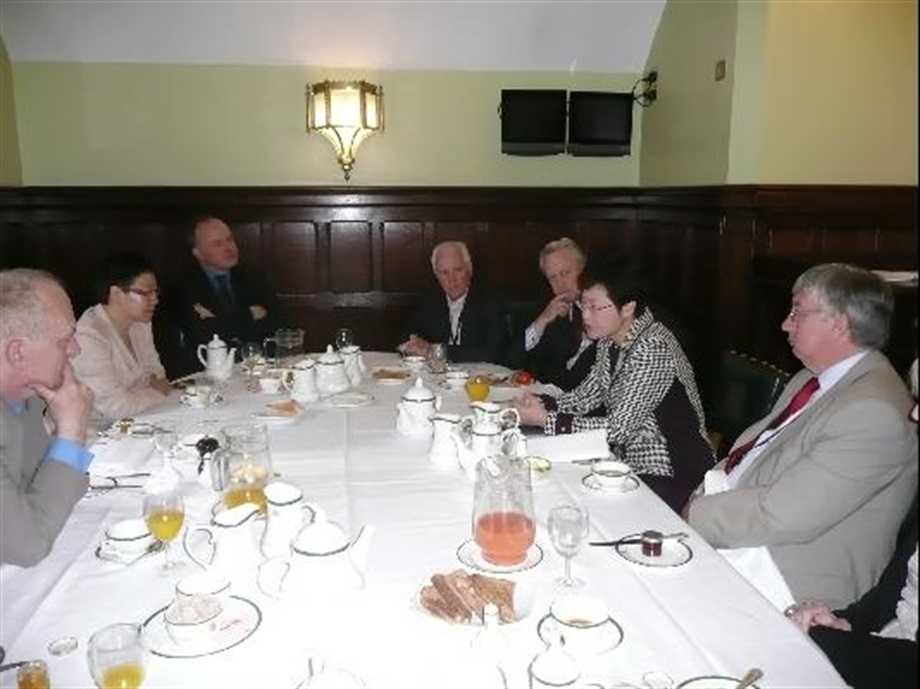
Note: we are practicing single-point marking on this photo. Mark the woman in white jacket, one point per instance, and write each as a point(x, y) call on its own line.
point(118, 359)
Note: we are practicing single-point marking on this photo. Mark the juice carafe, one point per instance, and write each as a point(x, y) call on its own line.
point(503, 521)
point(248, 464)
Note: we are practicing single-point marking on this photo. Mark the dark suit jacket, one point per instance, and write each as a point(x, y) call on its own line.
point(547, 361)
point(182, 330)
point(483, 333)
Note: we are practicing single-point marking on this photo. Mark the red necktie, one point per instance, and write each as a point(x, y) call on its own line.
point(799, 400)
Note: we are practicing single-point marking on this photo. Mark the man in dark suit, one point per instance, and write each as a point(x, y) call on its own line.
point(42, 476)
point(465, 316)
point(554, 347)
point(217, 296)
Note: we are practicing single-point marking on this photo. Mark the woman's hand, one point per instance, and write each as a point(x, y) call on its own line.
point(531, 409)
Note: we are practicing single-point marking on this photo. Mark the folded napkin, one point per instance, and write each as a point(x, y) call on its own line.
point(570, 447)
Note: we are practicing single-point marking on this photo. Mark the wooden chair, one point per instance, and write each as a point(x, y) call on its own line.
point(745, 391)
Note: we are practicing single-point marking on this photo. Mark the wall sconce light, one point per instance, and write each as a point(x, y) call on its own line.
point(346, 113)
point(645, 91)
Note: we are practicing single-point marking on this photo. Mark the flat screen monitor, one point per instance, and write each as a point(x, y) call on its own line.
point(533, 121)
point(600, 123)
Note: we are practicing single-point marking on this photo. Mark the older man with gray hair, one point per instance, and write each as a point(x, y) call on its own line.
point(808, 502)
point(41, 476)
point(464, 315)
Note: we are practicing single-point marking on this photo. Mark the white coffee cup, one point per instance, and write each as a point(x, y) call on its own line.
point(611, 473)
point(456, 379)
point(207, 583)
point(129, 536)
point(193, 619)
point(199, 395)
point(583, 624)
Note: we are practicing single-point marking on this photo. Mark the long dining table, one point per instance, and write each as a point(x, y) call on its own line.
point(700, 618)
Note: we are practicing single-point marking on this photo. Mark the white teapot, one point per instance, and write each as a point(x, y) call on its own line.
point(304, 388)
point(216, 359)
point(415, 409)
point(491, 430)
point(323, 565)
point(330, 373)
point(234, 548)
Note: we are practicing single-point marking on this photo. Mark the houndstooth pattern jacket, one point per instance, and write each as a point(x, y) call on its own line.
point(645, 369)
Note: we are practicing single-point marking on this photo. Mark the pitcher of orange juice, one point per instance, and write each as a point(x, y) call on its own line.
point(503, 518)
point(246, 465)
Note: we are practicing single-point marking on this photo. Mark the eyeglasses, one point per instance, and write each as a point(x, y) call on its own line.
point(143, 293)
point(593, 308)
point(796, 314)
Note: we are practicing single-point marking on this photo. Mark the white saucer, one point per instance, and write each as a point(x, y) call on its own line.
point(590, 482)
point(674, 553)
point(276, 419)
point(393, 381)
point(471, 555)
point(351, 400)
point(215, 401)
point(239, 621)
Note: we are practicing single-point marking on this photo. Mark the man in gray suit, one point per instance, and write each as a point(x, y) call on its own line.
point(41, 477)
point(809, 500)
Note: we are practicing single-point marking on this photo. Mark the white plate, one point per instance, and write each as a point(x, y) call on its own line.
point(712, 682)
point(351, 400)
point(524, 606)
point(674, 553)
point(238, 622)
point(470, 554)
point(591, 483)
point(276, 419)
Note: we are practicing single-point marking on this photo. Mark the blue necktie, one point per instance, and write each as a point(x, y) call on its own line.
point(224, 292)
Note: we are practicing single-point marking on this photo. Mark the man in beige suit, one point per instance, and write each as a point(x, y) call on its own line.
point(41, 477)
point(809, 501)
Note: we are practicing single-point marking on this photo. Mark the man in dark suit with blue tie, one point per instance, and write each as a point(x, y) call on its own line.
point(218, 296)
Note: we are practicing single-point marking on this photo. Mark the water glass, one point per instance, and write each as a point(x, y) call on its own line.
point(437, 357)
point(568, 528)
point(117, 656)
point(344, 337)
point(251, 357)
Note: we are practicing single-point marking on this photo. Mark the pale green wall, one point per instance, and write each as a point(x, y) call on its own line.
point(100, 124)
point(840, 93)
point(817, 92)
point(686, 132)
point(10, 171)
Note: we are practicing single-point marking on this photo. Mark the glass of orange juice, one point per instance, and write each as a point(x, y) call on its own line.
point(117, 656)
point(164, 514)
point(477, 388)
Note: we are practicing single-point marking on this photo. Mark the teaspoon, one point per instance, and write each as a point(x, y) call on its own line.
point(635, 540)
point(751, 676)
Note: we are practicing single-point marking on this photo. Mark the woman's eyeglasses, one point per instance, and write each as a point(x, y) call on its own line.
point(143, 293)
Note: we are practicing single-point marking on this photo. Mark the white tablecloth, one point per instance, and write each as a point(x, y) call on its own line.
point(696, 619)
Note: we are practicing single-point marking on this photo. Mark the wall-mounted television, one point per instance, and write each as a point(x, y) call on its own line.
point(533, 121)
point(600, 123)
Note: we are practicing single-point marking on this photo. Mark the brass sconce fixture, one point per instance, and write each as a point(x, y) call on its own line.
point(346, 113)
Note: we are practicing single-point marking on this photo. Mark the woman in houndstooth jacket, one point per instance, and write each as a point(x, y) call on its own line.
point(641, 376)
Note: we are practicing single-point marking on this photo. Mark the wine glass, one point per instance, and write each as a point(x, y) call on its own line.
point(164, 514)
point(568, 527)
point(117, 656)
point(251, 357)
point(344, 337)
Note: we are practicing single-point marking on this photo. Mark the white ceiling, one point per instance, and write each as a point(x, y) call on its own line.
point(473, 35)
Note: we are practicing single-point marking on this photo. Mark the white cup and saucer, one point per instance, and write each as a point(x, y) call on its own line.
point(456, 379)
point(125, 541)
point(199, 395)
point(582, 623)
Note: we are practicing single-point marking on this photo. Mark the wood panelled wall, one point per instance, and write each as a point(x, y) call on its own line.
point(718, 256)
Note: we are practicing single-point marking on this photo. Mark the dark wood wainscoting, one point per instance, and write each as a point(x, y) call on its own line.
point(360, 256)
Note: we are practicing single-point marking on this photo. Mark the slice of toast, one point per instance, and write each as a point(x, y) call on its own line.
point(461, 597)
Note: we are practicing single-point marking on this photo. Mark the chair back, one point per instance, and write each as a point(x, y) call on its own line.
point(746, 390)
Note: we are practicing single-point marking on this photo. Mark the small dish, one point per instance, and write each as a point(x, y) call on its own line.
point(240, 619)
point(674, 553)
point(628, 486)
point(470, 554)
